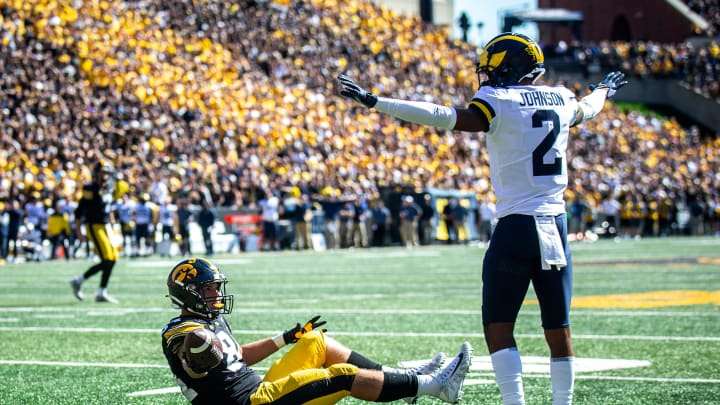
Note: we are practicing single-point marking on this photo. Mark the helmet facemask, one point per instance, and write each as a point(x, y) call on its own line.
point(104, 175)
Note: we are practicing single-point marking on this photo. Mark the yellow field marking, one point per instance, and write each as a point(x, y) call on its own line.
point(709, 260)
point(652, 299)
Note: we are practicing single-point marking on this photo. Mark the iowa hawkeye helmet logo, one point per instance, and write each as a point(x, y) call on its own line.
point(186, 272)
point(183, 273)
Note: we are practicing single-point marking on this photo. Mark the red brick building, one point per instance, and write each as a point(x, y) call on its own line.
point(627, 20)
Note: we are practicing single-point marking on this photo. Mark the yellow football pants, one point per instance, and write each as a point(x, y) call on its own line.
point(299, 377)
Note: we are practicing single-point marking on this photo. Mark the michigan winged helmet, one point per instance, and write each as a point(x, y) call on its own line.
point(510, 58)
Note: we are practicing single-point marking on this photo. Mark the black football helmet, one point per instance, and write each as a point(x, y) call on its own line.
point(508, 59)
point(185, 283)
point(102, 173)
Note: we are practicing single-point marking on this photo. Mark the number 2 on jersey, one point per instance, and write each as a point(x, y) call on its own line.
point(540, 168)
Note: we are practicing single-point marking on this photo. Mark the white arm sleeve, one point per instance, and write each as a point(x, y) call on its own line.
point(418, 112)
point(592, 104)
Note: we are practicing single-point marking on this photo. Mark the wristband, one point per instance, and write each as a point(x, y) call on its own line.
point(279, 341)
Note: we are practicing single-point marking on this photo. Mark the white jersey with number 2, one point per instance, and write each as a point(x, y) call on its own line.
point(527, 141)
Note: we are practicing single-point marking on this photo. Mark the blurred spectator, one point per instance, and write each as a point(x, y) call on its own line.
point(125, 213)
point(31, 242)
point(145, 222)
point(426, 224)
point(270, 211)
point(331, 207)
point(577, 213)
point(58, 232)
point(409, 214)
point(4, 222)
point(487, 217)
point(15, 216)
point(697, 209)
point(206, 220)
point(610, 211)
point(454, 215)
point(184, 216)
point(358, 230)
point(167, 220)
point(380, 223)
point(345, 224)
point(36, 213)
point(302, 221)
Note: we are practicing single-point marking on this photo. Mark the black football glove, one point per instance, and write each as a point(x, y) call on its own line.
point(292, 335)
point(613, 81)
point(350, 89)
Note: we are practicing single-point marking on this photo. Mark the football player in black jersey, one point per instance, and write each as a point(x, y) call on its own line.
point(317, 368)
point(94, 210)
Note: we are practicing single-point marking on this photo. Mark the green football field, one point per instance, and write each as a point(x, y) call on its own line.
point(646, 320)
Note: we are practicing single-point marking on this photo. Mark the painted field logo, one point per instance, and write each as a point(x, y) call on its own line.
point(653, 299)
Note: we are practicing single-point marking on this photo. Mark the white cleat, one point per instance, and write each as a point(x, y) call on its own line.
point(451, 377)
point(429, 366)
point(105, 298)
point(426, 368)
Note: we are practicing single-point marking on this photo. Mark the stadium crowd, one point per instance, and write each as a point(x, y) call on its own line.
point(698, 67)
point(233, 103)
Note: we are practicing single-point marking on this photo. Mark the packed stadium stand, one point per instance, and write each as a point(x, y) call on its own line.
point(230, 102)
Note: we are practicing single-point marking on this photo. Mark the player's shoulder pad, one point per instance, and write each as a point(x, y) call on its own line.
point(485, 102)
point(175, 332)
point(89, 190)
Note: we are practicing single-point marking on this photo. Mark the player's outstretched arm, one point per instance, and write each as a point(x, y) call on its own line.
point(591, 105)
point(417, 112)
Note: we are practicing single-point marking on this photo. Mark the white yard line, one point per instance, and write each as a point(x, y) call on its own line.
point(251, 310)
point(80, 364)
point(474, 373)
point(474, 380)
point(356, 333)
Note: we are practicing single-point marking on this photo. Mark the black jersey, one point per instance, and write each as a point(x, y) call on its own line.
point(231, 382)
point(94, 205)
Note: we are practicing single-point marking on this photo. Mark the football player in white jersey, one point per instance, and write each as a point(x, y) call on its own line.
point(527, 128)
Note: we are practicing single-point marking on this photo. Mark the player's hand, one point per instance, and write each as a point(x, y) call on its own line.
point(612, 82)
point(292, 335)
point(189, 369)
point(352, 90)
